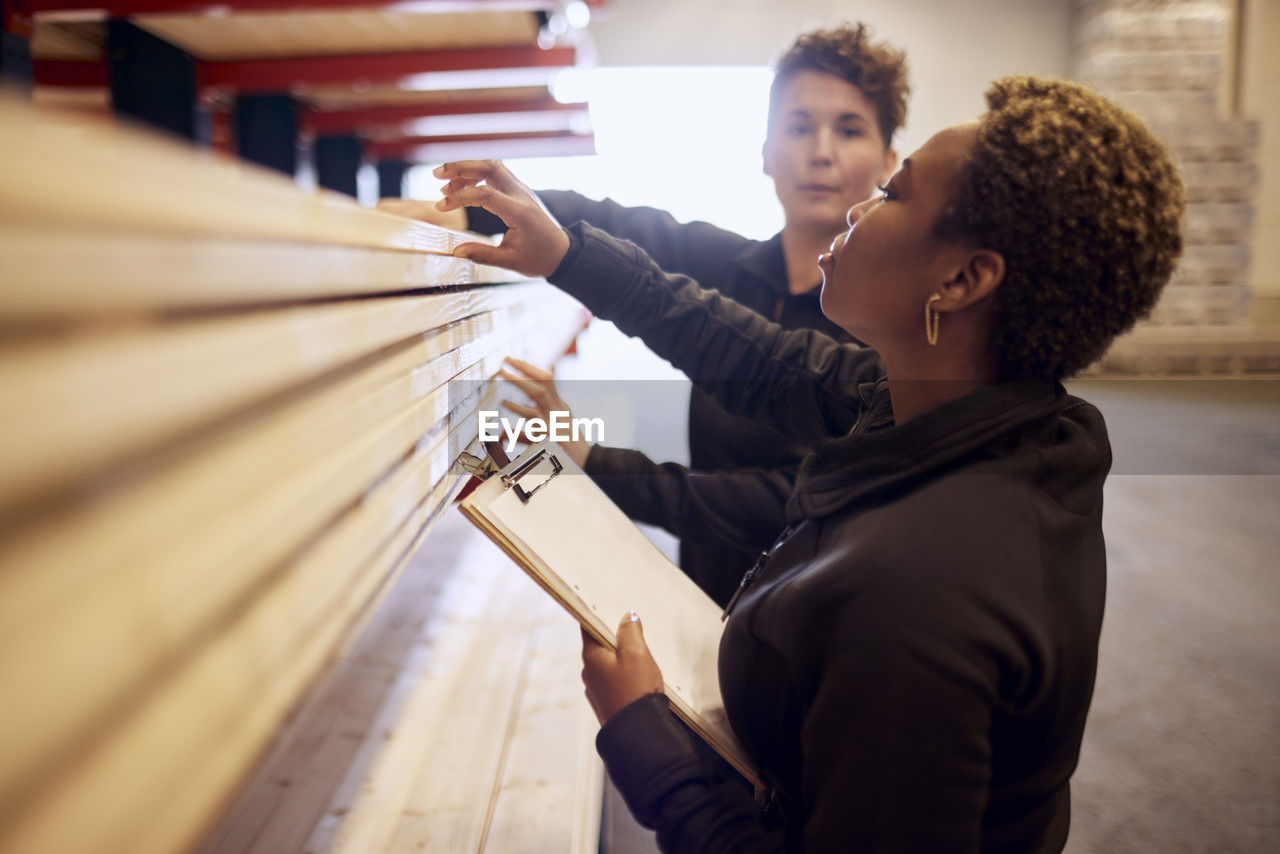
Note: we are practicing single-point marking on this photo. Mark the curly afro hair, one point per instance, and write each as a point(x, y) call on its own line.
point(876, 68)
point(1085, 206)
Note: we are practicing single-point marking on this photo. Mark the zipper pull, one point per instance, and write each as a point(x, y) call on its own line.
point(743, 584)
point(750, 574)
point(766, 799)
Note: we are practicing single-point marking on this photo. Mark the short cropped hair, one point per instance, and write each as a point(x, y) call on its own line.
point(877, 69)
point(1084, 204)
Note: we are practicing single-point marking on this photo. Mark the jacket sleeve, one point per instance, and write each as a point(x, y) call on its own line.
point(895, 752)
point(673, 787)
point(697, 249)
point(800, 382)
point(744, 508)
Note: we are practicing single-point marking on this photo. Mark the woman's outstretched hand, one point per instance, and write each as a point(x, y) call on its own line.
point(534, 244)
point(615, 680)
point(540, 385)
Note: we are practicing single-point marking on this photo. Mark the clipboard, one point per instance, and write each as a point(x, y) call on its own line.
point(566, 534)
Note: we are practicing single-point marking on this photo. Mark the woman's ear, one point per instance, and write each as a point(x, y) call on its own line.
point(973, 279)
point(766, 159)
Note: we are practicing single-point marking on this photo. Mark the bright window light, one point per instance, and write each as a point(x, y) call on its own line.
point(686, 140)
point(578, 14)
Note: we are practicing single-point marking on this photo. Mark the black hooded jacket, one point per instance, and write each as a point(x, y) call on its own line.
point(912, 665)
point(728, 504)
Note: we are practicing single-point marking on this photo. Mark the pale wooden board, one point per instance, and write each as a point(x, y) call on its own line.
point(84, 40)
point(590, 777)
point(158, 629)
point(340, 729)
point(544, 793)
point(59, 274)
point(74, 177)
point(302, 800)
point(345, 97)
point(189, 739)
point(302, 32)
point(70, 407)
point(320, 775)
point(88, 652)
point(366, 799)
point(105, 619)
point(90, 104)
point(109, 597)
point(549, 796)
point(454, 748)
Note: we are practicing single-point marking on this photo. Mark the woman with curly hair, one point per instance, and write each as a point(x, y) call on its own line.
point(911, 664)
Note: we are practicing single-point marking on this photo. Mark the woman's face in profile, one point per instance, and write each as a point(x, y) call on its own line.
point(880, 273)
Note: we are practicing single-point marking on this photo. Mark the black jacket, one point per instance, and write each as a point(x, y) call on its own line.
point(912, 666)
point(722, 522)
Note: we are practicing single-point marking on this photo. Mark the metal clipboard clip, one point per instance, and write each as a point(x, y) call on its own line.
point(483, 468)
point(512, 479)
point(494, 460)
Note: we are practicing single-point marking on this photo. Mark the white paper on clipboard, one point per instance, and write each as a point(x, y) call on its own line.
point(579, 547)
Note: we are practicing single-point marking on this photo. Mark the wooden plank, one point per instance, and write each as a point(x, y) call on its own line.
point(71, 407)
point(102, 603)
point(303, 32)
point(588, 796)
point(550, 793)
point(63, 174)
point(241, 462)
point(455, 744)
point(360, 814)
point(396, 552)
point(237, 476)
point(341, 729)
point(443, 606)
point(113, 630)
point(56, 273)
point(230, 691)
point(337, 96)
point(548, 798)
point(84, 40)
point(423, 681)
point(291, 818)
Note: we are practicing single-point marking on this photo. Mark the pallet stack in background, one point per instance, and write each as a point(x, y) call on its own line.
point(1176, 65)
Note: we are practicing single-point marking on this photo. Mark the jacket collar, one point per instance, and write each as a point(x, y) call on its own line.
point(878, 460)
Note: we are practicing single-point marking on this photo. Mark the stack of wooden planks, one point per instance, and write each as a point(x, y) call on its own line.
point(229, 413)
point(455, 723)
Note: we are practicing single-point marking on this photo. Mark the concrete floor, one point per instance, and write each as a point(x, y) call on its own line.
point(1182, 749)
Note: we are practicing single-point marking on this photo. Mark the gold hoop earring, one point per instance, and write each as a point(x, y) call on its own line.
point(931, 319)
